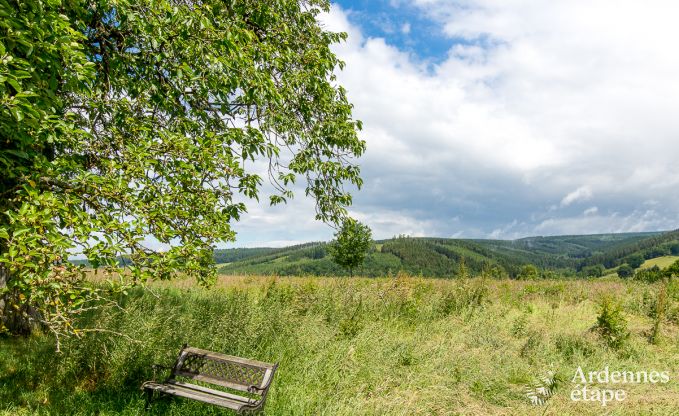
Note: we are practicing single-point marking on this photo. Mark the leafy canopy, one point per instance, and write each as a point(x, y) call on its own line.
point(625, 271)
point(122, 120)
point(351, 244)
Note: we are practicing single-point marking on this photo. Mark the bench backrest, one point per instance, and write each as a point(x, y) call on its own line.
point(224, 370)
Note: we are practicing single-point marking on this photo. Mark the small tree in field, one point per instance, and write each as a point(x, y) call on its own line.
point(529, 272)
point(635, 261)
point(625, 271)
point(672, 270)
point(351, 245)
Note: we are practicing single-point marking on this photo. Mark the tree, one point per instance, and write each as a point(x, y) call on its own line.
point(352, 242)
point(635, 260)
point(625, 271)
point(593, 271)
point(529, 272)
point(672, 270)
point(127, 120)
point(674, 249)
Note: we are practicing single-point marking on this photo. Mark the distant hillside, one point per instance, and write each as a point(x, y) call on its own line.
point(584, 255)
point(441, 257)
point(658, 245)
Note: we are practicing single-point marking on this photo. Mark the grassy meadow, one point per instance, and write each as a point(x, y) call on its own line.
point(358, 346)
point(661, 262)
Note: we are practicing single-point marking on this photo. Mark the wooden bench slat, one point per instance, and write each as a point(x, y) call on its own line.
point(213, 380)
point(207, 390)
point(196, 395)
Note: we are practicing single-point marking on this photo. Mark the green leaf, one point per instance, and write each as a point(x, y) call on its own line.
point(14, 84)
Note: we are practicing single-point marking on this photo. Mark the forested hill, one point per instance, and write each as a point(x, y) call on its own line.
point(441, 257)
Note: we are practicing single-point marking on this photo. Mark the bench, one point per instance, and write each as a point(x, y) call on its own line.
point(247, 381)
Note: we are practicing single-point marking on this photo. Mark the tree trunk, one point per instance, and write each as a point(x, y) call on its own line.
point(3, 284)
point(13, 319)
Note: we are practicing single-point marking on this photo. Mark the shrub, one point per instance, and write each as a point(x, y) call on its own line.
point(593, 271)
point(625, 271)
point(529, 272)
point(649, 275)
point(611, 324)
point(468, 295)
point(673, 270)
point(659, 315)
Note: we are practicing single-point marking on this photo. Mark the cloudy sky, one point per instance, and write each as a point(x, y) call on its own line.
point(504, 119)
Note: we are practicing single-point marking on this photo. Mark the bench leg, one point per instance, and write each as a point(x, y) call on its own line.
point(149, 398)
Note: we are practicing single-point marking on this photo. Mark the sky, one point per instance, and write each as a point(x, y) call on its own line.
point(503, 119)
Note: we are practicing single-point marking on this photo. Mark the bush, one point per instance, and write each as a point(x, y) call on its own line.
point(635, 260)
point(673, 270)
point(593, 271)
point(659, 315)
point(529, 272)
point(649, 275)
point(625, 271)
point(611, 325)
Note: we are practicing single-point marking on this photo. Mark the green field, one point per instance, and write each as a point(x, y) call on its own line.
point(384, 346)
point(661, 262)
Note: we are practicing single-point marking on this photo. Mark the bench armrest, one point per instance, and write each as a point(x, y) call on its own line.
point(255, 389)
point(263, 390)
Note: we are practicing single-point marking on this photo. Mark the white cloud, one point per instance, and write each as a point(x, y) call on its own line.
point(541, 98)
point(405, 28)
point(591, 211)
point(583, 193)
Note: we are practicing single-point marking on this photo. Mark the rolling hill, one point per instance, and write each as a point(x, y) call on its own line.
point(441, 257)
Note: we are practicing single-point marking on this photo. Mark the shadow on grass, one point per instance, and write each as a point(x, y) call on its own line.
point(33, 379)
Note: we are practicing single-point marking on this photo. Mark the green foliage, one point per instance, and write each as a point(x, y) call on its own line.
point(672, 270)
point(635, 260)
point(529, 272)
point(434, 257)
point(542, 388)
point(519, 326)
point(674, 249)
point(238, 254)
point(43, 67)
point(659, 313)
point(574, 347)
point(351, 245)
point(463, 297)
point(625, 271)
point(127, 120)
point(649, 245)
point(650, 275)
point(462, 269)
point(593, 271)
point(611, 324)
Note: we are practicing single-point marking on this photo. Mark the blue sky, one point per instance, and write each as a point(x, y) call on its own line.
point(503, 119)
point(401, 24)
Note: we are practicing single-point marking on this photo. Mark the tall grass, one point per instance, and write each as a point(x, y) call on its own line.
point(398, 346)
